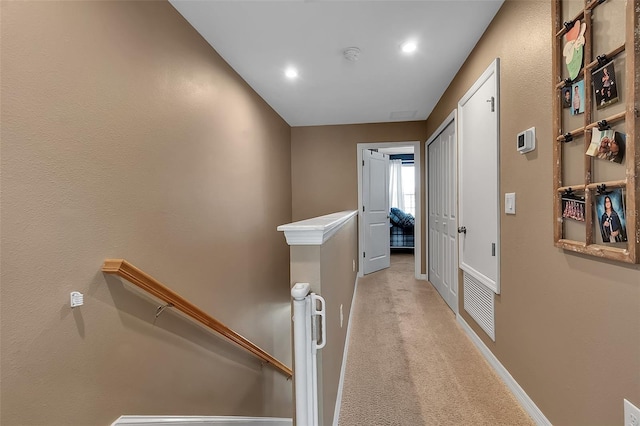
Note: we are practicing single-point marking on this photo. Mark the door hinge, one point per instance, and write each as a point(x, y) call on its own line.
point(493, 249)
point(364, 254)
point(362, 208)
point(362, 163)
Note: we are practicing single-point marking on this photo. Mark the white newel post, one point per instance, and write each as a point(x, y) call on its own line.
point(302, 353)
point(305, 343)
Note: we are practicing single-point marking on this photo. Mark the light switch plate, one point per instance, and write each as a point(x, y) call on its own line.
point(631, 414)
point(510, 203)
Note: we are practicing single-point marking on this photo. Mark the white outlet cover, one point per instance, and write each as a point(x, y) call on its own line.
point(76, 299)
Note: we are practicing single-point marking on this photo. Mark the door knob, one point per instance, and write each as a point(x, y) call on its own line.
point(462, 230)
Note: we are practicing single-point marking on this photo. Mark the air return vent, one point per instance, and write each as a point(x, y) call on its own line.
point(479, 303)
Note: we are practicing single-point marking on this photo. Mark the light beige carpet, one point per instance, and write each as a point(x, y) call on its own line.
point(409, 362)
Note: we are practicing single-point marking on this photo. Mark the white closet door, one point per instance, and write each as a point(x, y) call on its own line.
point(443, 249)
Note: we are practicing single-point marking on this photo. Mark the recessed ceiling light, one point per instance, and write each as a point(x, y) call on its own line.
point(291, 72)
point(409, 47)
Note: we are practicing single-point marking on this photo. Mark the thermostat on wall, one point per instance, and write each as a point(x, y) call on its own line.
point(526, 140)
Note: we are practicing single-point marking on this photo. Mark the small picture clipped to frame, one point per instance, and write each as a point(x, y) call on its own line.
point(566, 97)
point(577, 98)
point(573, 206)
point(605, 86)
point(607, 145)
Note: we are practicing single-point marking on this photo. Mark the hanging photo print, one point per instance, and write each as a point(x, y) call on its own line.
point(577, 98)
point(607, 145)
point(574, 47)
point(605, 86)
point(611, 218)
point(617, 148)
point(573, 207)
point(566, 97)
point(599, 146)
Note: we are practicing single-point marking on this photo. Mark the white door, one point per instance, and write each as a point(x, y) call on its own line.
point(375, 213)
point(443, 248)
point(478, 113)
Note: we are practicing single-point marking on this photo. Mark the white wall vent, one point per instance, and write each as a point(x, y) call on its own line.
point(479, 303)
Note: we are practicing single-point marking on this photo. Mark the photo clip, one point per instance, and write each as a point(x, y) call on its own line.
point(602, 189)
point(603, 125)
point(568, 25)
point(568, 193)
point(568, 137)
point(568, 82)
point(602, 59)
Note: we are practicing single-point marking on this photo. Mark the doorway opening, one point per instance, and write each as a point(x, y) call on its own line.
point(404, 200)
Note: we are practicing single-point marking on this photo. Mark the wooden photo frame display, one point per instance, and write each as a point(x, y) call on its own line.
point(611, 91)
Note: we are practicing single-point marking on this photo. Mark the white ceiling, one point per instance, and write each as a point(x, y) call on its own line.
point(261, 38)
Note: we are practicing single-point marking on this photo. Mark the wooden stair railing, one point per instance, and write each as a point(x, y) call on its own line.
point(125, 270)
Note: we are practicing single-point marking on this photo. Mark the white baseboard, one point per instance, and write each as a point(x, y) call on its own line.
point(336, 412)
point(527, 404)
point(421, 277)
point(201, 421)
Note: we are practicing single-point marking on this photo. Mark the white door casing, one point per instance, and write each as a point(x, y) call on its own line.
point(479, 173)
point(443, 211)
point(375, 191)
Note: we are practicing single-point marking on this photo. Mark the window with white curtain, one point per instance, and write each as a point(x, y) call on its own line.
point(402, 185)
point(409, 188)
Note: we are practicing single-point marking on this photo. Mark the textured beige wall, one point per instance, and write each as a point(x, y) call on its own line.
point(567, 326)
point(125, 135)
point(329, 271)
point(338, 284)
point(324, 170)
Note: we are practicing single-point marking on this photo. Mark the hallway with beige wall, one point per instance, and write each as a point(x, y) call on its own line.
point(125, 135)
point(567, 327)
point(565, 323)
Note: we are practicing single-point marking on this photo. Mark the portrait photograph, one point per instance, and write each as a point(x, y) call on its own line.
point(605, 86)
point(566, 97)
point(611, 216)
point(577, 98)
